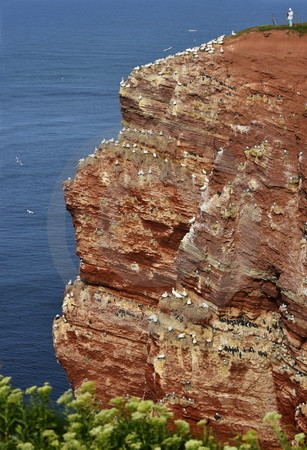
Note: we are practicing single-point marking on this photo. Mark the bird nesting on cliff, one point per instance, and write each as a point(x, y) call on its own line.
point(204, 305)
point(176, 294)
point(153, 318)
point(140, 172)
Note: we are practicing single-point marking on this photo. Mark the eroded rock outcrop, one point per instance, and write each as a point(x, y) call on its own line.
point(192, 234)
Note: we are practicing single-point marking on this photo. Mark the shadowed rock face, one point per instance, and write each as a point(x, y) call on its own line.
point(204, 192)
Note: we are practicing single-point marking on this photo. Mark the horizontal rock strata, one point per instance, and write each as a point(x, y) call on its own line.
point(191, 230)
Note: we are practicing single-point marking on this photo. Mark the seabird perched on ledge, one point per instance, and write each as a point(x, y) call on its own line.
point(176, 294)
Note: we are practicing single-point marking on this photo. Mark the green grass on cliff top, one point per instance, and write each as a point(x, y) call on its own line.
point(299, 28)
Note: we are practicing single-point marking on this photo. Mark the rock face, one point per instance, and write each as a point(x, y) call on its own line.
point(192, 234)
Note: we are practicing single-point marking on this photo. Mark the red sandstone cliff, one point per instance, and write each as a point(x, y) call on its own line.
point(203, 193)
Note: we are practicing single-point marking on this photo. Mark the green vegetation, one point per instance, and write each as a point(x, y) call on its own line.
point(300, 28)
point(29, 421)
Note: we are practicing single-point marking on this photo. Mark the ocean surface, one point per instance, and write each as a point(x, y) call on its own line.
point(61, 65)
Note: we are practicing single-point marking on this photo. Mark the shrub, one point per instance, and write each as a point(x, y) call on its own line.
point(29, 421)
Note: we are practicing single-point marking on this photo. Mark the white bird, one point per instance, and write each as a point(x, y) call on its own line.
point(116, 162)
point(19, 161)
point(153, 318)
point(69, 282)
point(176, 294)
point(29, 211)
point(169, 328)
point(204, 305)
point(233, 33)
point(164, 295)
point(140, 172)
point(181, 336)
point(189, 302)
point(161, 357)
point(192, 220)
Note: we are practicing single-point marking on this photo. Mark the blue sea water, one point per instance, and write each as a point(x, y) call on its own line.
point(61, 64)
